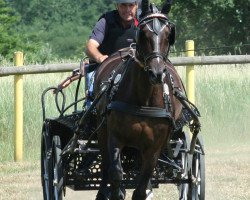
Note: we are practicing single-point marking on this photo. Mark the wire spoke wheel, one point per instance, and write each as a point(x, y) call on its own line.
point(183, 159)
point(194, 189)
point(198, 173)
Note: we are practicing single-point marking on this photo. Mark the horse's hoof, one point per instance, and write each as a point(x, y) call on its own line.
point(102, 196)
point(138, 196)
point(119, 196)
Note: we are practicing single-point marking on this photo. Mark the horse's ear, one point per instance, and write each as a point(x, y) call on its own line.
point(153, 8)
point(144, 8)
point(166, 7)
point(172, 34)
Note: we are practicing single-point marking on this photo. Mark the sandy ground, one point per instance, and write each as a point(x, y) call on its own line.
point(227, 177)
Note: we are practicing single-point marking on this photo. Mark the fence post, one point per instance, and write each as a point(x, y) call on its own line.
point(18, 100)
point(190, 85)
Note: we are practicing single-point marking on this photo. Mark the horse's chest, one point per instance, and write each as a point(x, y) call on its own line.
point(132, 128)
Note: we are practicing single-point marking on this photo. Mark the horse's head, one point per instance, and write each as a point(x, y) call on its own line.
point(153, 40)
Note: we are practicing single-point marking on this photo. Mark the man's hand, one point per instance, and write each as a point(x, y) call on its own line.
point(102, 58)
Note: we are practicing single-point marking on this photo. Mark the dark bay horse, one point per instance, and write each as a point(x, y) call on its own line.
point(140, 108)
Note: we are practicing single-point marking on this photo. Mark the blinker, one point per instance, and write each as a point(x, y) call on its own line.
point(156, 26)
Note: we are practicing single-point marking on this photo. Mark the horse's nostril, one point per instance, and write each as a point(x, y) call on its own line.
point(159, 76)
point(151, 73)
point(155, 77)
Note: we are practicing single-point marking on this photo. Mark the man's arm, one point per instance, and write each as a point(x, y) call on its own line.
point(93, 52)
point(96, 40)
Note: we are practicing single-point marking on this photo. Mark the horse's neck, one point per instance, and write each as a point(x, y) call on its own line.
point(139, 90)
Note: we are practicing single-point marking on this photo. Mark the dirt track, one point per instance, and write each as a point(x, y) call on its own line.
point(227, 177)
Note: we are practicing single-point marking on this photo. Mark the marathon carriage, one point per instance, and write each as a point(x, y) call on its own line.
point(80, 169)
point(70, 146)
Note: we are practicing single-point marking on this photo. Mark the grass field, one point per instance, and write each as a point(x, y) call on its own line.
point(222, 96)
point(34, 85)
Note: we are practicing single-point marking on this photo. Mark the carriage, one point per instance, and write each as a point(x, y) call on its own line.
point(80, 170)
point(70, 151)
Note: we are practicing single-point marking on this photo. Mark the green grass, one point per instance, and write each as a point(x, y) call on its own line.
point(222, 96)
point(33, 88)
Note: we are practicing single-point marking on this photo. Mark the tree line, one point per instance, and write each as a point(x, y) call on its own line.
point(50, 29)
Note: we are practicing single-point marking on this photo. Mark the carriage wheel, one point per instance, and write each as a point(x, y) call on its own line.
point(57, 169)
point(195, 189)
point(183, 159)
point(46, 164)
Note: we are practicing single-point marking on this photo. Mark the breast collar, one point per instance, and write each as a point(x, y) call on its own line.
point(142, 111)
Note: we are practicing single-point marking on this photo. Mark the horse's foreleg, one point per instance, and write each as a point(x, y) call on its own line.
point(115, 169)
point(148, 164)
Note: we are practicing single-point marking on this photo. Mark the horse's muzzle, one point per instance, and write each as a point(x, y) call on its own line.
point(155, 77)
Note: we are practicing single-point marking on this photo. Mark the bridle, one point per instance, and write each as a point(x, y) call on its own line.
point(159, 21)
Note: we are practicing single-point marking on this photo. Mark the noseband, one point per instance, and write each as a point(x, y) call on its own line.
point(159, 22)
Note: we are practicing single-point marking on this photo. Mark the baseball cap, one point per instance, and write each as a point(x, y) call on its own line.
point(125, 1)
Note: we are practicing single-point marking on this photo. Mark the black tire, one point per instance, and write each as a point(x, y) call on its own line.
point(57, 169)
point(46, 164)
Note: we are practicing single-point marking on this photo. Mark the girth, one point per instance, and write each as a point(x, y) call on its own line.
point(139, 110)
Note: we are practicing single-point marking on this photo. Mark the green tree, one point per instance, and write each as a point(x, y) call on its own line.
point(65, 25)
point(8, 19)
point(212, 24)
point(13, 38)
point(60, 29)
